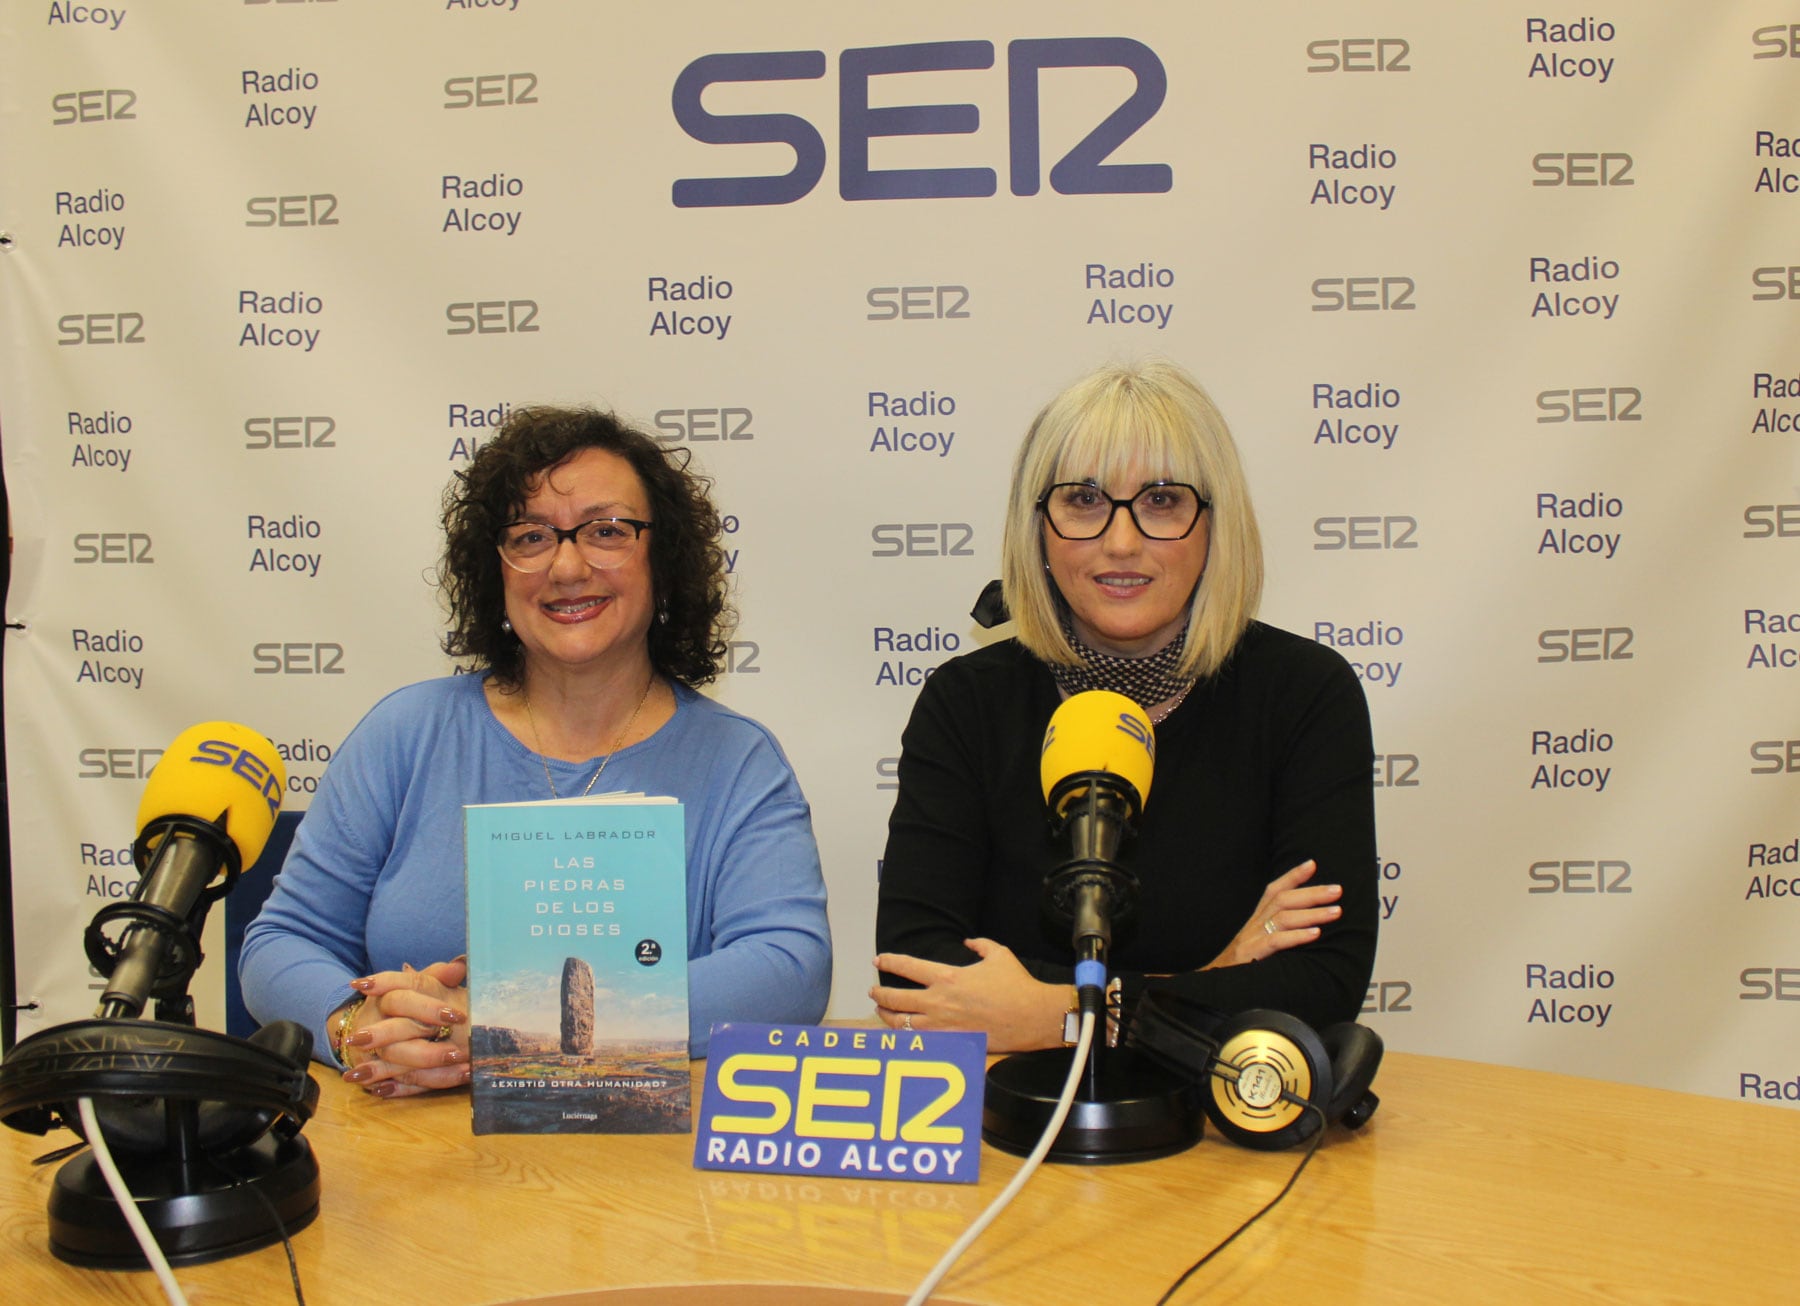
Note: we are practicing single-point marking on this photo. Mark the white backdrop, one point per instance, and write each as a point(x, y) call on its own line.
point(1504, 308)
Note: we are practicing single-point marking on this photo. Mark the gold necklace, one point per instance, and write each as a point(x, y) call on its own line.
point(617, 743)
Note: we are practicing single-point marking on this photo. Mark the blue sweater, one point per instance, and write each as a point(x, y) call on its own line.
point(375, 874)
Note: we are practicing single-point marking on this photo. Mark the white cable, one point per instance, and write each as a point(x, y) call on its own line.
point(128, 1205)
point(999, 1204)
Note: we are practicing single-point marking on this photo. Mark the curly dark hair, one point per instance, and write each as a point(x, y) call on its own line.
point(687, 560)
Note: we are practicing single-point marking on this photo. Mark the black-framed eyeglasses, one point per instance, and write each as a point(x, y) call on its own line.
point(531, 546)
point(1162, 510)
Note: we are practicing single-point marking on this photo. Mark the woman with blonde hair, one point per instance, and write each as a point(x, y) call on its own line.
point(1132, 562)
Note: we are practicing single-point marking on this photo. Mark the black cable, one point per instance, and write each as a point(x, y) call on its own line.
point(60, 1154)
point(287, 1242)
point(1317, 1138)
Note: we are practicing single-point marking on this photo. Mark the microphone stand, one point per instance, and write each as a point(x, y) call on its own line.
point(201, 1204)
point(1127, 1108)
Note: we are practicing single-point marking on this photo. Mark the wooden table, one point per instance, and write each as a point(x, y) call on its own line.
point(1474, 1184)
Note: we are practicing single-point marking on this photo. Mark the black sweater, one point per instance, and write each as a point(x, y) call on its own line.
point(1266, 763)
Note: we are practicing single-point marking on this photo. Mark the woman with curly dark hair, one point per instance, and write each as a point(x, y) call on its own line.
point(586, 587)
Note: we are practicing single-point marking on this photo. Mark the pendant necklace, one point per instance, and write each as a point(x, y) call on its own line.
point(617, 743)
point(1174, 703)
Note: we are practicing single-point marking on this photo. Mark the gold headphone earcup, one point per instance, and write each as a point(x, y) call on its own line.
point(1266, 1060)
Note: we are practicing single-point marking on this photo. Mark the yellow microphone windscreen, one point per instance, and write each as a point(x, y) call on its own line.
point(222, 772)
point(1099, 730)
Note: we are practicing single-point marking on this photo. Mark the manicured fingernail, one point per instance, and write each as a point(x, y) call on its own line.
point(452, 1056)
point(360, 1075)
point(451, 1016)
point(361, 1039)
point(386, 1088)
point(364, 984)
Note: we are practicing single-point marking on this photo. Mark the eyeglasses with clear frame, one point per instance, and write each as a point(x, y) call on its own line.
point(603, 542)
point(1162, 510)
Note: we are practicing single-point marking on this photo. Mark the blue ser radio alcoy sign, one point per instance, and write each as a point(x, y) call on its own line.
point(854, 1103)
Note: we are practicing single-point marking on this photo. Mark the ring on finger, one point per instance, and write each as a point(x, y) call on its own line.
point(1269, 925)
point(906, 1021)
point(442, 1032)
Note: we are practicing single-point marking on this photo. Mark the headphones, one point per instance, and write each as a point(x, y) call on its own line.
point(1264, 1072)
point(132, 1069)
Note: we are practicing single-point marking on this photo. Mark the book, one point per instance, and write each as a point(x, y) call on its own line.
point(578, 1020)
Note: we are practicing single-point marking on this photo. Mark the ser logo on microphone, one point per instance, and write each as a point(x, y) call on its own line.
point(242, 762)
point(1130, 723)
point(1134, 725)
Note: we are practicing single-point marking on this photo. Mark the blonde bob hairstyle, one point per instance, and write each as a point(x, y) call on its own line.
point(1154, 421)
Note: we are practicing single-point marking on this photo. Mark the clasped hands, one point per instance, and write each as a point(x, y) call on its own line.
point(995, 994)
point(395, 1046)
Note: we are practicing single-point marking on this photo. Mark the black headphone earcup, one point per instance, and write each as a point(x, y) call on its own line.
point(139, 1126)
point(1355, 1052)
point(1266, 1060)
point(225, 1127)
point(132, 1126)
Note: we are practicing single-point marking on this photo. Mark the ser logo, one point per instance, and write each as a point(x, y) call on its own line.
point(912, 302)
point(1776, 282)
point(491, 90)
point(1359, 54)
point(1082, 171)
point(1364, 295)
point(291, 210)
point(290, 433)
point(740, 657)
point(1601, 876)
point(1396, 771)
point(1365, 533)
point(923, 539)
point(105, 105)
point(112, 547)
point(117, 763)
point(1775, 756)
point(492, 317)
point(887, 774)
point(1772, 520)
point(1779, 42)
point(1592, 403)
point(297, 659)
point(1769, 984)
point(695, 425)
point(1387, 995)
point(1587, 644)
point(100, 329)
point(1582, 168)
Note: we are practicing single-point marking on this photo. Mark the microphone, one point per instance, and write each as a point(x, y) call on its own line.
point(1098, 755)
point(206, 813)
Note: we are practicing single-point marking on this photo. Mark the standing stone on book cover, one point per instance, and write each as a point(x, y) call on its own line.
point(577, 1007)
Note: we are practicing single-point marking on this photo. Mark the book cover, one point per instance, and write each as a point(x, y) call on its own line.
point(578, 995)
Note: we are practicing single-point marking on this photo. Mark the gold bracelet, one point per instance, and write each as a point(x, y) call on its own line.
point(345, 1020)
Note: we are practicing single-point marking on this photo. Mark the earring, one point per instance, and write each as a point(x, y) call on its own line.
point(506, 625)
point(662, 612)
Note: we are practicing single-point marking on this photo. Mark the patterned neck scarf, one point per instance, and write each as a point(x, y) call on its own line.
point(1147, 680)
